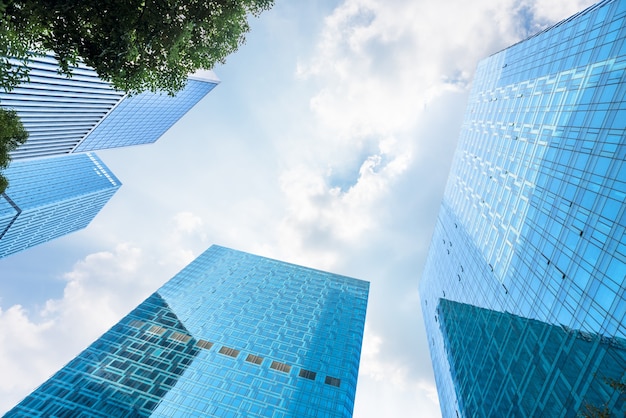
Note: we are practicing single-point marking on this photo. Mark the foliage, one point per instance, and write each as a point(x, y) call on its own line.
point(12, 135)
point(593, 411)
point(136, 45)
point(17, 45)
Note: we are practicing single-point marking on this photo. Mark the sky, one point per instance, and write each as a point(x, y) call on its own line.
point(326, 144)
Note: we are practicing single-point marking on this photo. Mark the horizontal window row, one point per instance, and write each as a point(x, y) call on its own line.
point(234, 353)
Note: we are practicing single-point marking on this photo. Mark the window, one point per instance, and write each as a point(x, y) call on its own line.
point(307, 374)
point(254, 359)
point(155, 329)
point(281, 367)
point(229, 351)
point(333, 381)
point(136, 324)
point(204, 344)
point(177, 336)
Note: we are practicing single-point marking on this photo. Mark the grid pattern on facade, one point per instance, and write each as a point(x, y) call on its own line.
point(58, 111)
point(84, 113)
point(489, 352)
point(533, 218)
point(276, 311)
point(224, 372)
point(124, 373)
point(9, 212)
point(144, 118)
point(39, 206)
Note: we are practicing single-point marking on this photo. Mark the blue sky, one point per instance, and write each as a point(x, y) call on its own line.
point(326, 144)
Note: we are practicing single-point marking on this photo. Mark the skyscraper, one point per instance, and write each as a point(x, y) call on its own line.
point(531, 231)
point(232, 334)
point(64, 116)
point(51, 197)
point(83, 113)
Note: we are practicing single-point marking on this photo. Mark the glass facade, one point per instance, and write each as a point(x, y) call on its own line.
point(64, 116)
point(50, 197)
point(144, 118)
point(58, 111)
point(532, 226)
point(506, 365)
point(83, 113)
point(231, 335)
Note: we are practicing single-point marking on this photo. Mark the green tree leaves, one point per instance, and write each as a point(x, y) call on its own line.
point(136, 45)
point(12, 135)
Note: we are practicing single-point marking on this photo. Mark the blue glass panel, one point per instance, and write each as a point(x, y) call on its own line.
point(532, 208)
point(143, 118)
point(227, 336)
point(52, 197)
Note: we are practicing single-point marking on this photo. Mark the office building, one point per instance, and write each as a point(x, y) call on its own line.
point(502, 364)
point(532, 229)
point(83, 113)
point(64, 116)
point(231, 335)
point(50, 197)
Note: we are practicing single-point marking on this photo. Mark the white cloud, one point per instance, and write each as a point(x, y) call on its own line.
point(378, 66)
point(383, 69)
point(384, 76)
point(549, 12)
point(100, 289)
point(319, 216)
point(390, 384)
point(187, 222)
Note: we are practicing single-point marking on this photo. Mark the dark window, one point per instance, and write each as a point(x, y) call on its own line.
point(307, 374)
point(177, 336)
point(229, 351)
point(282, 367)
point(204, 344)
point(254, 359)
point(333, 381)
point(155, 329)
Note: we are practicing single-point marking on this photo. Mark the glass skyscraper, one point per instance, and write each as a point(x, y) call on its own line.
point(524, 289)
point(51, 197)
point(83, 113)
point(231, 335)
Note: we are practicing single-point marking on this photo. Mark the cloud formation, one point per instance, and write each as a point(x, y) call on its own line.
point(394, 69)
point(356, 192)
point(99, 290)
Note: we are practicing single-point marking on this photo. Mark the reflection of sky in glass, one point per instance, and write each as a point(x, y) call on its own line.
point(231, 334)
point(532, 222)
point(490, 353)
point(143, 118)
point(84, 113)
point(56, 110)
point(54, 196)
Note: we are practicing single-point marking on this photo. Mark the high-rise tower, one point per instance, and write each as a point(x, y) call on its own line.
point(64, 116)
point(51, 197)
point(83, 113)
point(531, 231)
point(231, 335)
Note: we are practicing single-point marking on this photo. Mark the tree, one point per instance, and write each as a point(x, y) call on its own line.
point(594, 411)
point(12, 135)
point(136, 45)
